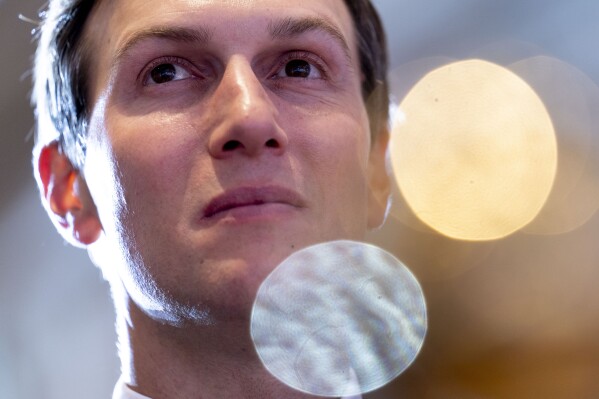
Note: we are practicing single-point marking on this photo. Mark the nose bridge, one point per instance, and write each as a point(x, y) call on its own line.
point(247, 118)
point(242, 87)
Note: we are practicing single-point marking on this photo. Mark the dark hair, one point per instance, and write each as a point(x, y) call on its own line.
point(60, 72)
point(372, 49)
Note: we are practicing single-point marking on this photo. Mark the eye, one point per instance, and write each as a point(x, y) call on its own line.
point(299, 68)
point(167, 72)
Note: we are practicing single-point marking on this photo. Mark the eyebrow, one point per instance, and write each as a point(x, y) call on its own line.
point(178, 34)
point(290, 27)
point(284, 29)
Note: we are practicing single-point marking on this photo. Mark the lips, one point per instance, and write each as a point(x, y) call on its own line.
point(249, 196)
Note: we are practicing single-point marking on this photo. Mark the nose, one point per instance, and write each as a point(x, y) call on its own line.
point(246, 118)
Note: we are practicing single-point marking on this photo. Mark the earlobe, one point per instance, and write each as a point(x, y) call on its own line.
point(66, 197)
point(378, 181)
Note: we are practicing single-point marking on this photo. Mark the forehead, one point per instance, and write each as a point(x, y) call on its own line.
point(114, 22)
point(141, 10)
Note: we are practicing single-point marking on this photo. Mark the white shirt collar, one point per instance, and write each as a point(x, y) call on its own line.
point(122, 391)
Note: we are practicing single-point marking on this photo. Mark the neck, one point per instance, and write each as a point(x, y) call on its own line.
point(193, 361)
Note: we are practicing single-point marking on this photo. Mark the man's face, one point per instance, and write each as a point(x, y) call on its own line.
point(225, 135)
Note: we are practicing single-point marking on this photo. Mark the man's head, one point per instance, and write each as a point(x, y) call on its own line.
point(64, 58)
point(201, 142)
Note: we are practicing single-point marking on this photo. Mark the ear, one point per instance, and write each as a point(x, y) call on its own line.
point(66, 197)
point(378, 180)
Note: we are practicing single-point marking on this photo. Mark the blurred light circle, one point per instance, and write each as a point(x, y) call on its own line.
point(401, 81)
point(572, 99)
point(339, 319)
point(507, 51)
point(475, 154)
point(403, 77)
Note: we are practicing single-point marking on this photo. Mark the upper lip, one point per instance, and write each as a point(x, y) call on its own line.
point(245, 196)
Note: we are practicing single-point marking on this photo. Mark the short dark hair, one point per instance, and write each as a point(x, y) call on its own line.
point(372, 49)
point(60, 75)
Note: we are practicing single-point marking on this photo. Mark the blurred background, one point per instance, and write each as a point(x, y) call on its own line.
point(512, 316)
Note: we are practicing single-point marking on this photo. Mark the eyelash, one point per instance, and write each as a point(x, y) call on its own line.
point(301, 55)
point(144, 75)
point(313, 59)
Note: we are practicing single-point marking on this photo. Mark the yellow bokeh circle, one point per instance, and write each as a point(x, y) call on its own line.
point(474, 152)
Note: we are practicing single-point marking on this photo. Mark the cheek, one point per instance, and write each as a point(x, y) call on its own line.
point(335, 153)
point(337, 134)
point(340, 140)
point(142, 164)
point(153, 152)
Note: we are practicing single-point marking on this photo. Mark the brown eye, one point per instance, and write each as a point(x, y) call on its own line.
point(167, 72)
point(298, 69)
point(163, 73)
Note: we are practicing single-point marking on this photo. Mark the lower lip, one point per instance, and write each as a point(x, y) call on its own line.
point(253, 213)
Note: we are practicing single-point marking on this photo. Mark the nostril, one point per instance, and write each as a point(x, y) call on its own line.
point(249, 145)
point(231, 145)
point(272, 143)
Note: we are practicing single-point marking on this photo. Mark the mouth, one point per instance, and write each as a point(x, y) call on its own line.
point(251, 198)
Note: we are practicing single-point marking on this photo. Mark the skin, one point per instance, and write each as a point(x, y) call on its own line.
point(232, 124)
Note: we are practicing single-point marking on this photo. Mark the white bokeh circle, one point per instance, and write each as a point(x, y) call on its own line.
point(339, 319)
